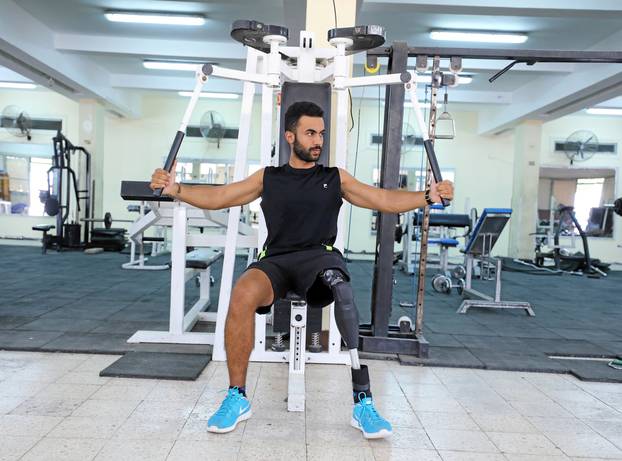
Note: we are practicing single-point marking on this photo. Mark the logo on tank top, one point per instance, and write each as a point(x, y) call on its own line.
point(325, 186)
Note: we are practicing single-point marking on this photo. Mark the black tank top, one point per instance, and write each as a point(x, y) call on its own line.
point(301, 207)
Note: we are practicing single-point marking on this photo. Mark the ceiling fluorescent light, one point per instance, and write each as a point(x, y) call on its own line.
point(211, 95)
point(171, 65)
point(604, 111)
point(18, 85)
point(478, 36)
point(155, 18)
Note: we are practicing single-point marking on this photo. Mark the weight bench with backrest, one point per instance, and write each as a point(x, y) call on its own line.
point(478, 248)
point(444, 221)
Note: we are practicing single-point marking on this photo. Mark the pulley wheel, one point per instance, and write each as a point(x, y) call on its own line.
point(252, 33)
point(363, 37)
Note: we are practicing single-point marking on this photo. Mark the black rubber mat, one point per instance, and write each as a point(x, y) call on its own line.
point(597, 371)
point(72, 302)
point(158, 365)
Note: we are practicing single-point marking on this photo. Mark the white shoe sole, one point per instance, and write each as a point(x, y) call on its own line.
point(382, 434)
point(220, 430)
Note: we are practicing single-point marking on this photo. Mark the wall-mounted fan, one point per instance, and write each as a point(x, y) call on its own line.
point(212, 126)
point(17, 122)
point(580, 146)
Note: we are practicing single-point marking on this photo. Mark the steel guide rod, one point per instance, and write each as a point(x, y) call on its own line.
point(425, 225)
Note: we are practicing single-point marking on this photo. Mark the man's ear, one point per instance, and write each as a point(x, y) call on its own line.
point(289, 137)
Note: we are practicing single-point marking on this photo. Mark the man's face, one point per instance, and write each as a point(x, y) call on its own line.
point(308, 138)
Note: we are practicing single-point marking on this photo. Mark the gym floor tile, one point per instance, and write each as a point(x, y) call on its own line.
point(64, 450)
point(445, 356)
point(26, 340)
point(87, 342)
point(60, 324)
point(462, 440)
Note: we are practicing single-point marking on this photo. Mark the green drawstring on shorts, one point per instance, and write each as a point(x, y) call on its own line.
point(261, 255)
point(328, 247)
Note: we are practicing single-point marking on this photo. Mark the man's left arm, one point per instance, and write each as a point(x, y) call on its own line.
point(390, 200)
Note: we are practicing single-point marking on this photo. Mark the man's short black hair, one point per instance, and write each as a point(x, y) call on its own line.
point(297, 110)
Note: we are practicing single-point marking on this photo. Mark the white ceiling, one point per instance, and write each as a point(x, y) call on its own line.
point(86, 55)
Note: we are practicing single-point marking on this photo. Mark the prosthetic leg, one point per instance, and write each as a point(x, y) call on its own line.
point(365, 417)
point(347, 319)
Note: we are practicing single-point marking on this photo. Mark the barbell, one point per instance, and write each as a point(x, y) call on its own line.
point(617, 206)
point(107, 220)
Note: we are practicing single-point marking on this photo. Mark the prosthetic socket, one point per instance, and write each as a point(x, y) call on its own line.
point(346, 314)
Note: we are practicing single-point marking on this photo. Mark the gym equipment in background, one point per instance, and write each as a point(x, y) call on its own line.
point(563, 261)
point(478, 249)
point(68, 197)
point(137, 245)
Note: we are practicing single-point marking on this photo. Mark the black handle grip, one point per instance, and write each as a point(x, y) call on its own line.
point(172, 155)
point(436, 170)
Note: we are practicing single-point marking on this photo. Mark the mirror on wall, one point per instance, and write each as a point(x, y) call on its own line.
point(591, 191)
point(22, 178)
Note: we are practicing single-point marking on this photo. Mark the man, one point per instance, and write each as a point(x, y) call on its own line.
point(300, 202)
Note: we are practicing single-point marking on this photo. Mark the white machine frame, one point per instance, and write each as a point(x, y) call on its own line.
point(137, 247)
point(181, 217)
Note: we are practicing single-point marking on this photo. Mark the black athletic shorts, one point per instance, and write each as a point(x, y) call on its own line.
point(298, 272)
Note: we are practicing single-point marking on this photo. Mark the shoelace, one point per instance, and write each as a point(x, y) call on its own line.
point(368, 407)
point(227, 405)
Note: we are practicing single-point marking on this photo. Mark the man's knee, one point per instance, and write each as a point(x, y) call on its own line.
point(248, 295)
point(339, 284)
point(346, 314)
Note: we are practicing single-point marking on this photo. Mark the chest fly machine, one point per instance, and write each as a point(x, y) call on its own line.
point(273, 65)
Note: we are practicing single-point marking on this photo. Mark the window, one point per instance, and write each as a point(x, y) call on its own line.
point(183, 172)
point(38, 182)
point(587, 196)
point(23, 178)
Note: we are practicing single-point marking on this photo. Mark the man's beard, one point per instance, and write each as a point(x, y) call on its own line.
point(305, 154)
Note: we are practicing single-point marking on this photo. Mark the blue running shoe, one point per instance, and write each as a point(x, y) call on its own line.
point(234, 408)
point(365, 417)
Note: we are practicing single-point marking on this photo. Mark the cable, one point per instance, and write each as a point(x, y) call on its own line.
point(349, 90)
point(351, 114)
point(356, 156)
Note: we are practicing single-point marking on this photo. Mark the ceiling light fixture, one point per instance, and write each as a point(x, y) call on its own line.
point(604, 111)
point(478, 36)
point(211, 95)
point(155, 18)
point(18, 85)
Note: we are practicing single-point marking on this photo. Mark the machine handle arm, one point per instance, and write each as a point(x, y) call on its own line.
point(201, 75)
point(411, 88)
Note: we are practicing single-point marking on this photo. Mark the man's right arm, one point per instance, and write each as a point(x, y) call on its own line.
point(210, 197)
